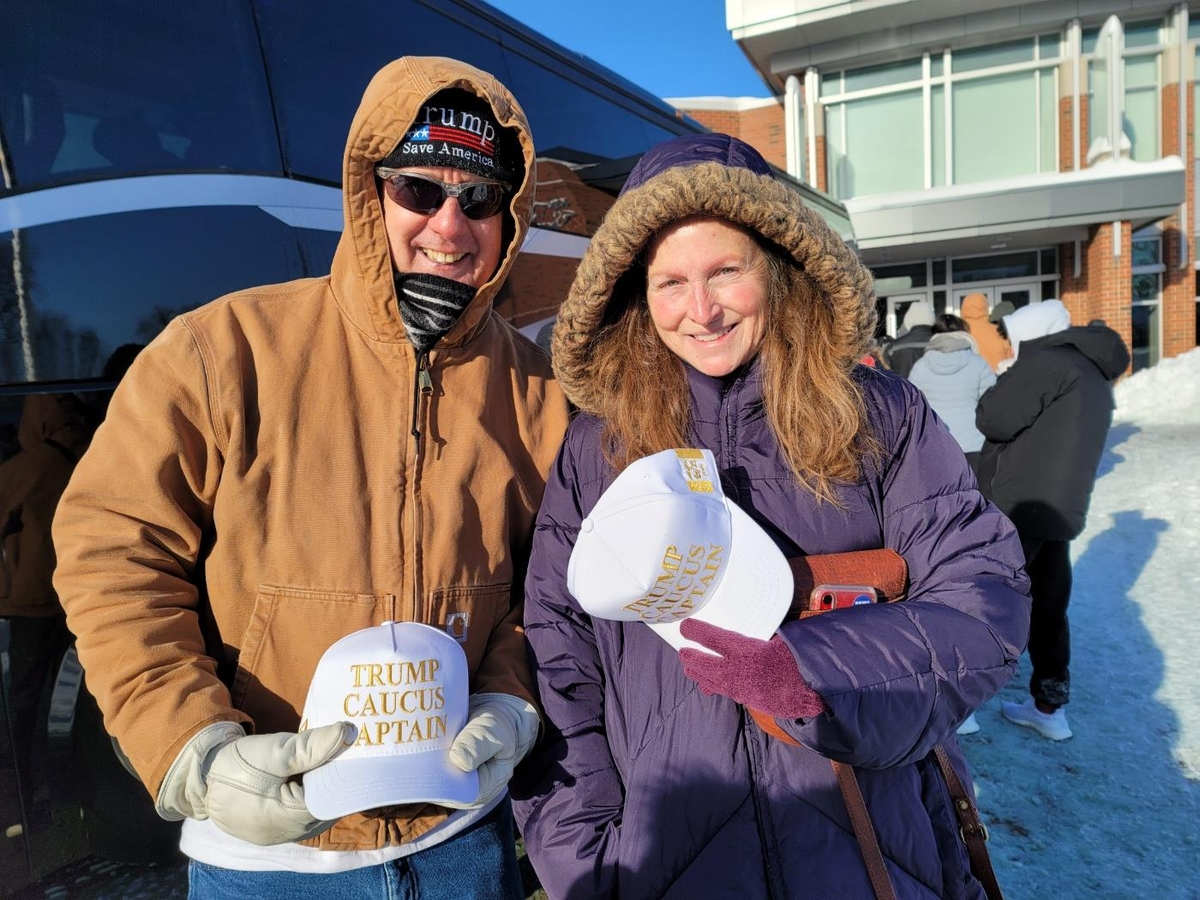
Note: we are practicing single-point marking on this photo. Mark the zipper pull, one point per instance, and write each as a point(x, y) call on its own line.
point(423, 385)
point(424, 379)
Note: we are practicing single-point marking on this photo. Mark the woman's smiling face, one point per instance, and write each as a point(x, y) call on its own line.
point(706, 285)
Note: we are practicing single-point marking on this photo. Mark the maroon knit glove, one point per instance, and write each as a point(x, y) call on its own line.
point(759, 674)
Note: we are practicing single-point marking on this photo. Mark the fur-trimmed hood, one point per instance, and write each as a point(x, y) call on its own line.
point(684, 182)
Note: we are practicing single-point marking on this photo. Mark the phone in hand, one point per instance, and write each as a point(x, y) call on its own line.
point(825, 597)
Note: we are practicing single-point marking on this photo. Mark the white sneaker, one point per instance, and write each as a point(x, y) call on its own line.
point(969, 725)
point(1052, 726)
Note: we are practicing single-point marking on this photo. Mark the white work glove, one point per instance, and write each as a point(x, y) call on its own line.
point(499, 732)
point(250, 786)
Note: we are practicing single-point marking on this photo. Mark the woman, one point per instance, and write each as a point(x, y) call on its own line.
point(953, 376)
point(712, 309)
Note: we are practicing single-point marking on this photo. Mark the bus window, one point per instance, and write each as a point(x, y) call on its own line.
point(315, 103)
point(568, 115)
point(64, 320)
point(186, 91)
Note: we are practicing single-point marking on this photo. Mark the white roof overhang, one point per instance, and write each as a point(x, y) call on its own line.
point(1006, 213)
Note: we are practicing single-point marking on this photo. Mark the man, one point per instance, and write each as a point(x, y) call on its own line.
point(293, 463)
point(1045, 422)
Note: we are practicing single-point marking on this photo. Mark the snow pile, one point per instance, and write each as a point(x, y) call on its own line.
point(1168, 392)
point(1113, 812)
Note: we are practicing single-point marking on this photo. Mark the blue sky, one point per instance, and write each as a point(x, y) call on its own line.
point(672, 48)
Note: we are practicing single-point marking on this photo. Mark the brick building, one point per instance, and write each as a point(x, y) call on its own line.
point(973, 145)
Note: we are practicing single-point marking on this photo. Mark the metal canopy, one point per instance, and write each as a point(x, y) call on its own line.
point(1007, 213)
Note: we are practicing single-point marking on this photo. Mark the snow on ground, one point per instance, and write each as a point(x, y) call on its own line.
point(1115, 811)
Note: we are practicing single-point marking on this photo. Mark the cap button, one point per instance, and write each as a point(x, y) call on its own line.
point(587, 525)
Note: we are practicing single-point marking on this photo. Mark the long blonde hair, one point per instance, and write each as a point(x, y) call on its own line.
point(812, 403)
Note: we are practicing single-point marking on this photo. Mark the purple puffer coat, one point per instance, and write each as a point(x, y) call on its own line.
point(645, 787)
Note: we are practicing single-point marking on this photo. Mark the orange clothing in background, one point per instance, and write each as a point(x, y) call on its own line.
point(992, 347)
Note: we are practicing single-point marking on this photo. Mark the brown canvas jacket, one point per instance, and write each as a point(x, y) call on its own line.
point(256, 491)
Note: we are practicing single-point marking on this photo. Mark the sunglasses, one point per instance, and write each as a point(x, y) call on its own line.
point(424, 195)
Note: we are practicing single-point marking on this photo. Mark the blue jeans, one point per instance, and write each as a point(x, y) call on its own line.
point(477, 864)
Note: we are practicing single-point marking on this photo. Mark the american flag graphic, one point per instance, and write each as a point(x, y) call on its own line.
point(454, 135)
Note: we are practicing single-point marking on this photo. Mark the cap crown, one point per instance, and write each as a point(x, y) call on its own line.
point(656, 545)
point(405, 687)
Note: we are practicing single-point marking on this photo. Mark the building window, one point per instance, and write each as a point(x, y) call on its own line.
point(1147, 302)
point(981, 58)
point(1142, 105)
point(947, 118)
point(983, 151)
point(860, 161)
point(996, 267)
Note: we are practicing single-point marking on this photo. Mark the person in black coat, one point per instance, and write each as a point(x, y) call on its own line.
point(904, 352)
point(1045, 422)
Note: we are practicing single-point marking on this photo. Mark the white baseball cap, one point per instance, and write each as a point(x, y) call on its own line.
point(405, 685)
point(664, 543)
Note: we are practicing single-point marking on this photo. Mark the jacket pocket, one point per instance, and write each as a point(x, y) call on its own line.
point(289, 630)
point(469, 615)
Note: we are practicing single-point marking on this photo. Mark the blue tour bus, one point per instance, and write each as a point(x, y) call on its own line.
point(154, 157)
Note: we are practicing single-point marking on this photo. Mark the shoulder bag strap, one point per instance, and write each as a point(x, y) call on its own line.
point(974, 833)
point(860, 820)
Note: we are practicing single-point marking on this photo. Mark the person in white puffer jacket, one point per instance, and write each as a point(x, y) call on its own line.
point(953, 376)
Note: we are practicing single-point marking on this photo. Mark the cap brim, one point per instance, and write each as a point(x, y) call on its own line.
point(755, 592)
point(346, 786)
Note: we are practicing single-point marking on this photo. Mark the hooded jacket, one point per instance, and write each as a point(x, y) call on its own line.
point(256, 491)
point(953, 376)
point(903, 352)
point(1046, 420)
point(1034, 321)
point(53, 433)
point(645, 786)
point(992, 347)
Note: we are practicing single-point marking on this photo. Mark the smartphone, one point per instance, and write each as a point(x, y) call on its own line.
point(825, 597)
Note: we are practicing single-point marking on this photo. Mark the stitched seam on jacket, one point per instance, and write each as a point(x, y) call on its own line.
point(210, 390)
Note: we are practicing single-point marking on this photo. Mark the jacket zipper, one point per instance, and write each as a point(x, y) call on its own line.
point(422, 387)
point(756, 752)
point(756, 744)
